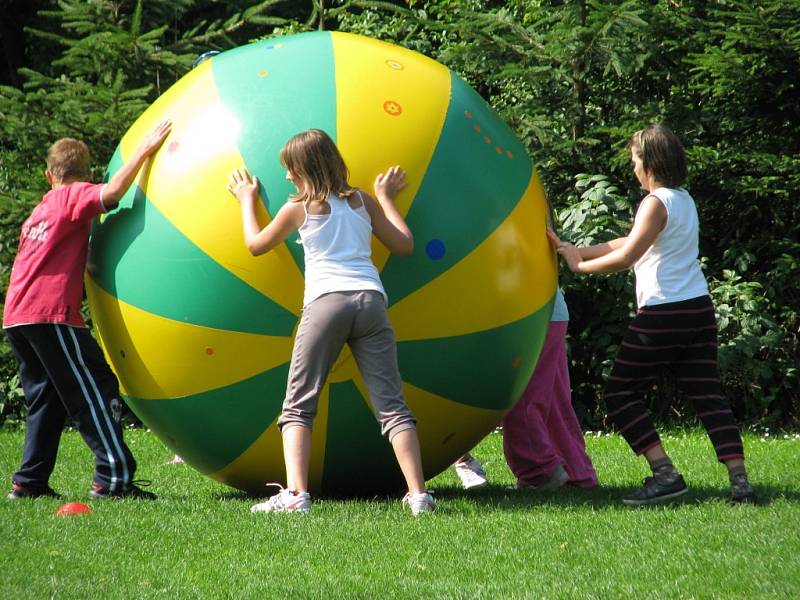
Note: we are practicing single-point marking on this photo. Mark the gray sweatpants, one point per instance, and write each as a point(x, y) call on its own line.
point(359, 319)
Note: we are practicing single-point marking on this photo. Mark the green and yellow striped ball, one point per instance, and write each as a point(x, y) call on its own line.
point(200, 332)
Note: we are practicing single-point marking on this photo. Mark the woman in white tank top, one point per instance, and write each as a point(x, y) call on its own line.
point(344, 302)
point(675, 325)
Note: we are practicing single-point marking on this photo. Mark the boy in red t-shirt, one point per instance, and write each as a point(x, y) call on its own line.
point(61, 368)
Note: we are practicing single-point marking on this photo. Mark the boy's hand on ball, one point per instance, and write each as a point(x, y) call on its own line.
point(391, 183)
point(156, 137)
point(242, 185)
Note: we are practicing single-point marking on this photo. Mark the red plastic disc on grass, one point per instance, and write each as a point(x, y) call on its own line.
point(73, 508)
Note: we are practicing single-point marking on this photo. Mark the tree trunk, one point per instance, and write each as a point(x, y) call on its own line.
point(579, 85)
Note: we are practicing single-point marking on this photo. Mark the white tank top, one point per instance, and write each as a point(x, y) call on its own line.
point(338, 251)
point(669, 271)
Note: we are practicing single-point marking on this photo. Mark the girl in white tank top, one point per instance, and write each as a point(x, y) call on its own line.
point(336, 223)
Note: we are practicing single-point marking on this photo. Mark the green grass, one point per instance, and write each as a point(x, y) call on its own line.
point(199, 539)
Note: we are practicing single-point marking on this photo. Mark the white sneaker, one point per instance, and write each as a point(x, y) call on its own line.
point(471, 473)
point(557, 480)
point(285, 501)
point(420, 503)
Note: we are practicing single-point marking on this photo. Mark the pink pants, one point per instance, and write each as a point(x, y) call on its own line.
point(542, 431)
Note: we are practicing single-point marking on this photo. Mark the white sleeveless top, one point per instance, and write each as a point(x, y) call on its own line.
point(669, 271)
point(338, 251)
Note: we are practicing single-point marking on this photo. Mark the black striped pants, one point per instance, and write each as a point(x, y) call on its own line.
point(63, 373)
point(683, 337)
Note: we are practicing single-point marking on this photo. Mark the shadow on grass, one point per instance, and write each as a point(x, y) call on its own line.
point(502, 498)
point(499, 497)
point(603, 496)
point(242, 495)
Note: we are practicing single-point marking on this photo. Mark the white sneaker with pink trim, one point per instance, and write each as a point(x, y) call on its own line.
point(471, 473)
point(420, 503)
point(285, 501)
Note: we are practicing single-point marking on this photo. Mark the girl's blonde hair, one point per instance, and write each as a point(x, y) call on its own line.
point(313, 158)
point(69, 159)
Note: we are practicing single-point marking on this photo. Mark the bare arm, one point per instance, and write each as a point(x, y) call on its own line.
point(598, 250)
point(122, 179)
point(387, 223)
point(257, 239)
point(623, 252)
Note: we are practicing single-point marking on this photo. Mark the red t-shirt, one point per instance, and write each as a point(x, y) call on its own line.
point(46, 284)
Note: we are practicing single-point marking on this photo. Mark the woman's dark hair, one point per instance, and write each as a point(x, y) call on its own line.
point(661, 153)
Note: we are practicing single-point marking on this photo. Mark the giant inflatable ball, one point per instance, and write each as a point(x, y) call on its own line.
point(200, 332)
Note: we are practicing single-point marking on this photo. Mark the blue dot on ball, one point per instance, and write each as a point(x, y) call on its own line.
point(435, 249)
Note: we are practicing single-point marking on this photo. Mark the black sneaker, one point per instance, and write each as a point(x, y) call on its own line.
point(741, 490)
point(132, 490)
point(652, 491)
point(20, 491)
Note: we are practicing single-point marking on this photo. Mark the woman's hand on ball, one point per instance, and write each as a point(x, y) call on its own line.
point(567, 251)
point(571, 255)
point(554, 240)
point(243, 186)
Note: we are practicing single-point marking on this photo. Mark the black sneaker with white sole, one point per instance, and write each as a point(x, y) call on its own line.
point(652, 491)
point(741, 490)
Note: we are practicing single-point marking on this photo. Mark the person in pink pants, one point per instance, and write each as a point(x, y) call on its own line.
point(542, 440)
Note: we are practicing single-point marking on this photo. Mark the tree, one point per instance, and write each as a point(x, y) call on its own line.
point(573, 78)
point(112, 60)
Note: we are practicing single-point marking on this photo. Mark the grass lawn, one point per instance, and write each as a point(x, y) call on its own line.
point(199, 539)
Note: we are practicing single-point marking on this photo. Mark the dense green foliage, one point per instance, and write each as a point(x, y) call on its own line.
point(199, 540)
point(574, 79)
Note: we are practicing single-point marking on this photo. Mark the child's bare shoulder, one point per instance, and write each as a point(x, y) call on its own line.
point(293, 211)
